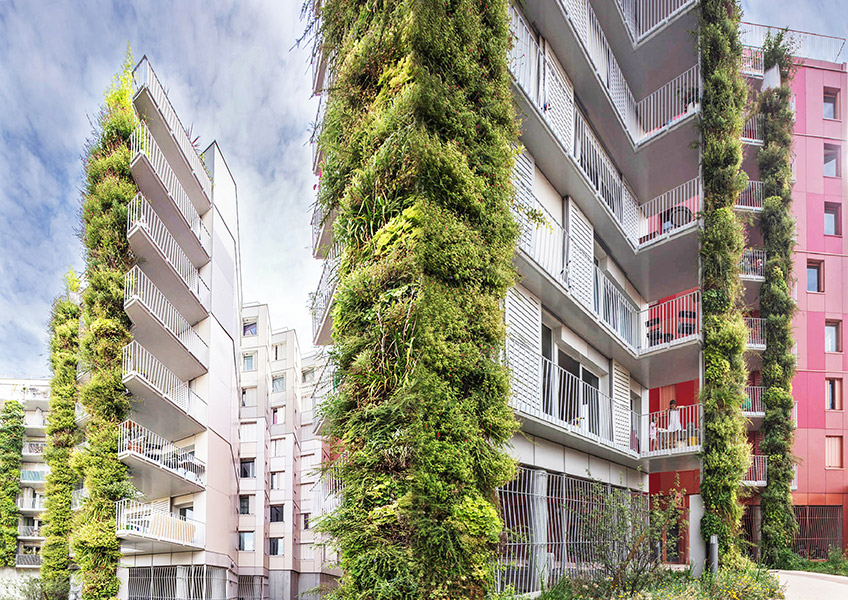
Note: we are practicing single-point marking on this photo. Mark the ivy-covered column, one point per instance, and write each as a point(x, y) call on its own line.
point(726, 453)
point(417, 138)
point(11, 446)
point(109, 187)
point(63, 436)
point(778, 524)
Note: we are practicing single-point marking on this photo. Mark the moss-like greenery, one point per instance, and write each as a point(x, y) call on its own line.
point(11, 446)
point(63, 435)
point(778, 524)
point(726, 453)
point(109, 188)
point(417, 138)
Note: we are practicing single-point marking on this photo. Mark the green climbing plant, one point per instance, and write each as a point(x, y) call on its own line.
point(417, 140)
point(109, 187)
point(11, 446)
point(778, 524)
point(62, 436)
point(726, 453)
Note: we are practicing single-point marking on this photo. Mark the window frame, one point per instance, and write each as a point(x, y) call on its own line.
point(818, 265)
point(244, 462)
point(252, 357)
point(246, 324)
point(831, 93)
point(836, 151)
point(280, 546)
point(242, 499)
point(836, 210)
point(841, 464)
point(274, 379)
point(242, 541)
point(838, 326)
point(833, 393)
point(282, 513)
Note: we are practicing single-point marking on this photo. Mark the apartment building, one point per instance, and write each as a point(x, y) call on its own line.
point(604, 325)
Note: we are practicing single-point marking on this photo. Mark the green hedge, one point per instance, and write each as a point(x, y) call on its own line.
point(11, 446)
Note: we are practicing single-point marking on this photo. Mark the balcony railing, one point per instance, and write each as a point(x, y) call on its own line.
point(143, 76)
point(142, 142)
point(752, 197)
point(753, 264)
point(643, 17)
point(317, 223)
point(673, 431)
point(136, 360)
point(326, 287)
point(142, 215)
point(80, 414)
point(29, 531)
point(674, 321)
point(27, 560)
point(143, 520)
point(753, 64)
point(670, 212)
point(138, 286)
point(756, 474)
point(753, 404)
point(33, 476)
point(33, 393)
point(34, 503)
point(752, 131)
point(667, 105)
point(756, 333)
point(135, 439)
point(804, 45)
point(78, 496)
point(34, 447)
point(34, 421)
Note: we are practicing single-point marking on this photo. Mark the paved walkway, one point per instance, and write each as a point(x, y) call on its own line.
point(801, 585)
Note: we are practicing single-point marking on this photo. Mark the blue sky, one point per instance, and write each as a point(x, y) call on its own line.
point(234, 75)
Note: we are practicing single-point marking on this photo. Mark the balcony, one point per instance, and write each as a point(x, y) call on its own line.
point(153, 105)
point(756, 474)
point(28, 561)
point(162, 189)
point(805, 45)
point(674, 437)
point(752, 407)
point(159, 468)
point(752, 131)
point(162, 401)
point(33, 451)
point(35, 397)
point(34, 478)
point(31, 505)
point(164, 261)
point(756, 334)
point(752, 198)
point(81, 415)
point(30, 532)
point(323, 300)
point(753, 63)
point(322, 232)
point(34, 424)
point(78, 496)
point(160, 327)
point(643, 18)
point(144, 529)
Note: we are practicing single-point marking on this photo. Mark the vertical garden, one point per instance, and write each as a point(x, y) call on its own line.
point(417, 137)
point(726, 453)
point(11, 445)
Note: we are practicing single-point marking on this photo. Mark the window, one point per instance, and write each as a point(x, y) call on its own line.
point(248, 396)
point(815, 283)
point(833, 452)
point(305, 520)
point(307, 375)
point(278, 447)
point(247, 469)
point(831, 105)
point(277, 513)
point(831, 160)
point(277, 480)
point(244, 505)
point(832, 335)
point(186, 512)
point(275, 546)
point(248, 328)
point(248, 362)
point(247, 432)
point(278, 416)
point(279, 351)
point(833, 393)
point(832, 220)
point(246, 541)
point(278, 383)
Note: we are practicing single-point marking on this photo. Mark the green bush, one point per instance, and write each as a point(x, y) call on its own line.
point(11, 445)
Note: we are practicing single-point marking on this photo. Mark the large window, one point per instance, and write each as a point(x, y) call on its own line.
point(815, 282)
point(833, 452)
point(831, 161)
point(832, 336)
point(246, 541)
point(248, 362)
point(831, 103)
point(275, 546)
point(278, 383)
point(244, 505)
point(248, 397)
point(247, 469)
point(277, 513)
point(832, 219)
point(833, 393)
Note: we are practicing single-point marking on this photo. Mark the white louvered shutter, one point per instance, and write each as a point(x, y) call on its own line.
point(559, 100)
point(523, 316)
point(581, 265)
point(620, 404)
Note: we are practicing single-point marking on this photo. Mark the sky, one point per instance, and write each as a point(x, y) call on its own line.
point(235, 74)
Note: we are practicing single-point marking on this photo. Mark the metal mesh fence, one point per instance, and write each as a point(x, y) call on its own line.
point(177, 582)
point(819, 529)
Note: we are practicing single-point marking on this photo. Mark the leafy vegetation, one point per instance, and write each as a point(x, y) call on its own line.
point(418, 138)
point(63, 436)
point(726, 453)
point(836, 563)
point(11, 446)
point(778, 525)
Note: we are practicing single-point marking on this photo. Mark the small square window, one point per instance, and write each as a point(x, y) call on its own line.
point(275, 546)
point(307, 375)
point(247, 469)
point(832, 219)
point(831, 161)
point(815, 282)
point(833, 452)
point(832, 336)
point(246, 543)
point(831, 103)
point(278, 383)
point(277, 513)
point(249, 328)
point(248, 362)
point(833, 393)
point(244, 505)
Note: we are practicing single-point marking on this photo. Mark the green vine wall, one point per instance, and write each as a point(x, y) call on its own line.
point(778, 524)
point(11, 446)
point(417, 138)
point(63, 436)
point(726, 453)
point(109, 187)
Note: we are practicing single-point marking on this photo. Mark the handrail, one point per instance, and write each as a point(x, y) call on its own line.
point(670, 103)
point(751, 131)
point(756, 332)
point(33, 475)
point(34, 447)
point(138, 440)
point(29, 531)
point(753, 61)
point(545, 243)
point(814, 46)
point(138, 518)
point(753, 264)
point(142, 142)
point(671, 322)
point(757, 473)
point(32, 503)
point(644, 17)
point(144, 76)
point(27, 560)
point(752, 197)
point(138, 286)
point(141, 214)
point(754, 399)
point(673, 431)
point(323, 298)
point(670, 212)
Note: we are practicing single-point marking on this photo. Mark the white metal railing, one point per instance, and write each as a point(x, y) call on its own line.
point(752, 197)
point(670, 103)
point(34, 420)
point(136, 360)
point(32, 503)
point(28, 560)
point(753, 402)
point(805, 45)
point(141, 519)
point(142, 142)
point(138, 286)
point(33, 393)
point(615, 308)
point(751, 133)
point(545, 243)
point(33, 476)
point(323, 298)
point(756, 333)
point(673, 431)
point(317, 223)
point(671, 322)
point(135, 439)
point(34, 447)
point(80, 414)
point(753, 63)
point(643, 17)
point(670, 212)
point(141, 214)
point(756, 473)
point(29, 531)
point(143, 76)
point(753, 264)
point(77, 498)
